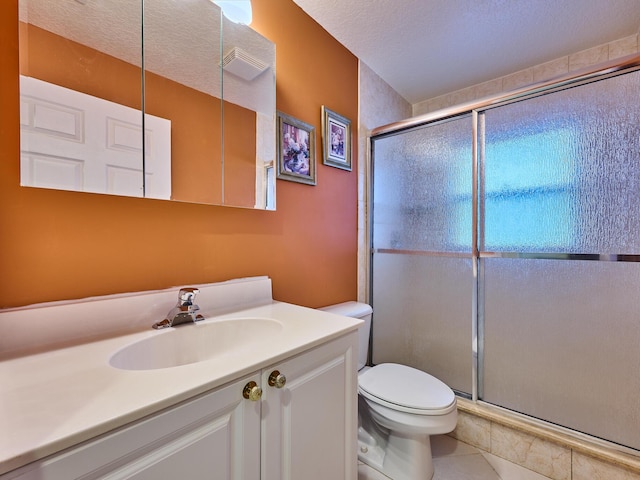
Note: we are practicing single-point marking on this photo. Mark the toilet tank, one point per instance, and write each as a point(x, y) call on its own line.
point(363, 312)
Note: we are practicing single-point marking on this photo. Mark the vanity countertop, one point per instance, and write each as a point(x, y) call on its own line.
point(54, 400)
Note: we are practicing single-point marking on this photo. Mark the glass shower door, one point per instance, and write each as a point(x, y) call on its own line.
point(549, 281)
point(422, 265)
point(560, 249)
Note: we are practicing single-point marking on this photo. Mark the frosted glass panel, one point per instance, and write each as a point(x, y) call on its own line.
point(562, 343)
point(562, 171)
point(422, 188)
point(422, 315)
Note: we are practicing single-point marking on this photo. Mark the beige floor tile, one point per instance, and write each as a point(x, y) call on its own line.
point(463, 467)
point(510, 471)
point(444, 445)
point(365, 472)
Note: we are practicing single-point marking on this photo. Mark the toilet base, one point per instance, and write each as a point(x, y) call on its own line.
point(369, 451)
point(400, 457)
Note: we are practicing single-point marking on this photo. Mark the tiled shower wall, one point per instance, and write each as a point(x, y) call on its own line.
point(539, 73)
point(553, 452)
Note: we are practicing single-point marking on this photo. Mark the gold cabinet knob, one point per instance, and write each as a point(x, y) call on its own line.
point(252, 391)
point(276, 379)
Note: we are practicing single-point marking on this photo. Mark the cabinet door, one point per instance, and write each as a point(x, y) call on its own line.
point(215, 437)
point(309, 424)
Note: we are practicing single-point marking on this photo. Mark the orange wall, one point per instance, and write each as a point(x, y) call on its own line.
point(58, 245)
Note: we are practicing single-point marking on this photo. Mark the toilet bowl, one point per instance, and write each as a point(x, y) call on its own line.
point(399, 407)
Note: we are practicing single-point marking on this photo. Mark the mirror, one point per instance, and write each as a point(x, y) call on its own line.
point(206, 86)
point(249, 129)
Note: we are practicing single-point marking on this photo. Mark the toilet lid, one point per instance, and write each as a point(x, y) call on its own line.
point(406, 387)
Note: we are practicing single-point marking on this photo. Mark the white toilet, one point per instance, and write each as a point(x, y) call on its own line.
point(399, 407)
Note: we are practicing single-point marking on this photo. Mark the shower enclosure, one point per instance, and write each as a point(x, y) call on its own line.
point(506, 250)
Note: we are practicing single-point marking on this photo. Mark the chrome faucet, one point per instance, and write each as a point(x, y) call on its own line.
point(184, 312)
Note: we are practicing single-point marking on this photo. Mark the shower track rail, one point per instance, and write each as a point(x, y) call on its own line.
point(616, 257)
point(613, 67)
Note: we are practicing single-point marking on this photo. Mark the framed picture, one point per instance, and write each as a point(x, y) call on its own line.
point(336, 139)
point(296, 150)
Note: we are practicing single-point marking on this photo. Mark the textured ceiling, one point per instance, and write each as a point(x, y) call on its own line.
point(425, 48)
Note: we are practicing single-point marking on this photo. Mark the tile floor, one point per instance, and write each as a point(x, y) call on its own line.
point(455, 460)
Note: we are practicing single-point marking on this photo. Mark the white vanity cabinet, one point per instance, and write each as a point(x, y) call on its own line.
point(303, 427)
point(309, 424)
point(214, 436)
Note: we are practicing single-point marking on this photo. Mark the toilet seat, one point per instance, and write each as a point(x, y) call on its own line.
point(406, 389)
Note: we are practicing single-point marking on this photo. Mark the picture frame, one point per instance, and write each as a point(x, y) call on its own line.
point(336, 140)
point(296, 150)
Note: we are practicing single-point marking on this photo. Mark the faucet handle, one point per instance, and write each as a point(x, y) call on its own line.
point(187, 295)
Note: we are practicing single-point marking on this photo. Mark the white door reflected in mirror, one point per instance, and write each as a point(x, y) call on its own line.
point(73, 141)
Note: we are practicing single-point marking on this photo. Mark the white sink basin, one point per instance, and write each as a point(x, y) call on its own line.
point(197, 342)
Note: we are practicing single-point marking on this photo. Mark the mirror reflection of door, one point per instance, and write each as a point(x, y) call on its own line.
point(87, 144)
point(81, 95)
